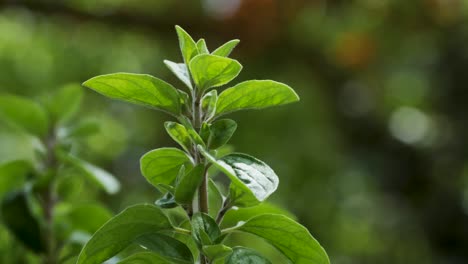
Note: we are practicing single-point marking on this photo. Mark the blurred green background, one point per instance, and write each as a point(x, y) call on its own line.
point(373, 160)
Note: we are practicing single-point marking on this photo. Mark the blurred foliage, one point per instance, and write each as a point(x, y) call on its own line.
point(373, 160)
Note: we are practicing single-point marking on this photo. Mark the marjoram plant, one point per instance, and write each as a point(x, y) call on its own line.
point(183, 174)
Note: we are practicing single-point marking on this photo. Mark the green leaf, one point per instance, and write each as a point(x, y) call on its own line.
point(215, 198)
point(202, 48)
point(141, 89)
point(187, 45)
point(246, 256)
point(212, 71)
point(289, 237)
point(65, 103)
point(167, 201)
point(196, 138)
point(214, 252)
point(188, 184)
point(21, 222)
point(121, 231)
point(161, 166)
point(180, 70)
point(144, 258)
point(208, 104)
point(205, 231)
point(97, 175)
point(13, 175)
point(237, 215)
point(167, 247)
point(179, 134)
point(221, 132)
point(252, 176)
point(226, 48)
point(24, 113)
point(82, 129)
point(256, 94)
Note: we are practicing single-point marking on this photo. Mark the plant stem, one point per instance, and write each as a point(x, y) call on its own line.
point(203, 193)
point(223, 211)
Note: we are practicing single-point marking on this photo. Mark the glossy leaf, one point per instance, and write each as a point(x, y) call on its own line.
point(24, 113)
point(226, 48)
point(64, 103)
point(167, 247)
point(167, 201)
point(161, 166)
point(122, 230)
point(208, 103)
point(247, 173)
point(256, 94)
point(221, 132)
point(180, 70)
point(202, 48)
point(179, 134)
point(139, 89)
point(246, 256)
point(212, 71)
point(144, 258)
point(187, 45)
point(289, 237)
point(205, 231)
point(188, 185)
point(218, 251)
point(99, 176)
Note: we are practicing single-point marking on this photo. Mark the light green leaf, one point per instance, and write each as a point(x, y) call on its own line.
point(24, 113)
point(64, 103)
point(99, 176)
point(82, 129)
point(214, 252)
point(215, 198)
point(187, 45)
point(205, 231)
point(122, 230)
point(167, 247)
point(255, 94)
point(212, 71)
point(144, 258)
point(202, 48)
point(226, 48)
point(179, 134)
point(247, 173)
point(188, 184)
point(208, 104)
point(141, 89)
point(221, 132)
point(196, 138)
point(180, 70)
point(246, 256)
point(161, 166)
point(289, 237)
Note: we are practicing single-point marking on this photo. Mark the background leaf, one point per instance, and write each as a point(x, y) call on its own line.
point(64, 103)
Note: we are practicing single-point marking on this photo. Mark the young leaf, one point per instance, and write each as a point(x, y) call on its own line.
point(247, 173)
point(246, 255)
point(179, 134)
point(205, 231)
point(188, 184)
point(212, 71)
point(255, 95)
point(167, 247)
point(187, 45)
point(289, 237)
point(101, 177)
point(208, 103)
point(24, 113)
point(214, 252)
point(196, 138)
point(221, 131)
point(167, 201)
point(226, 48)
point(141, 89)
point(180, 70)
point(161, 166)
point(65, 103)
point(122, 230)
point(215, 198)
point(205, 132)
point(144, 258)
point(202, 48)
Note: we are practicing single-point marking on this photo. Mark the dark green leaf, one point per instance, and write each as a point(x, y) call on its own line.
point(144, 258)
point(214, 252)
point(202, 48)
point(226, 48)
point(212, 71)
point(237, 215)
point(180, 70)
point(255, 94)
point(65, 103)
point(252, 176)
point(167, 201)
point(289, 237)
point(188, 184)
point(121, 231)
point(167, 247)
point(161, 166)
point(179, 134)
point(208, 103)
point(139, 89)
point(204, 229)
point(13, 175)
point(221, 131)
point(187, 45)
point(24, 113)
point(246, 256)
